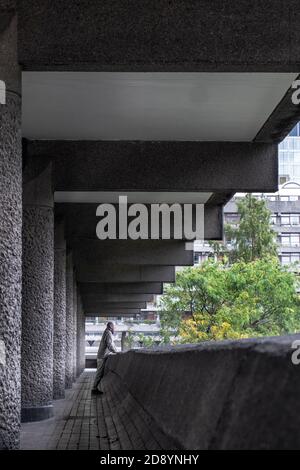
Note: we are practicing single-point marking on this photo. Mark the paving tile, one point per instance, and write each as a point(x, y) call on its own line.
point(112, 421)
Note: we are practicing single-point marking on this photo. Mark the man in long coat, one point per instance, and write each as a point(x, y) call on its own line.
point(106, 347)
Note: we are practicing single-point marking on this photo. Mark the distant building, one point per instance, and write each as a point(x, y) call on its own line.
point(284, 205)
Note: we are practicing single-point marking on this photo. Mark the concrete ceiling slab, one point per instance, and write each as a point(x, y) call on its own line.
point(150, 106)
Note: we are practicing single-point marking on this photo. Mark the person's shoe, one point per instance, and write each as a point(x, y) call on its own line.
point(95, 391)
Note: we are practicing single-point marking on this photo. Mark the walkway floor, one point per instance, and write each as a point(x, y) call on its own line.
point(83, 421)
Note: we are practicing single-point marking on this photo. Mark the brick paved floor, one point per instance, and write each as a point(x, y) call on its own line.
point(112, 421)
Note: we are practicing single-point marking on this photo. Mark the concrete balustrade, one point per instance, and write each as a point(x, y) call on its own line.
point(224, 395)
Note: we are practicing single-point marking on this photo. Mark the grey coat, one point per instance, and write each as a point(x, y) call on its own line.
point(107, 345)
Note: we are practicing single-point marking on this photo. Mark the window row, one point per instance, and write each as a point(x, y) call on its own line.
point(286, 219)
point(283, 198)
point(289, 239)
point(290, 258)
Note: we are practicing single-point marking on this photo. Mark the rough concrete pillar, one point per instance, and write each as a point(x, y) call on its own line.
point(74, 328)
point(80, 336)
point(37, 293)
point(69, 320)
point(59, 324)
point(10, 231)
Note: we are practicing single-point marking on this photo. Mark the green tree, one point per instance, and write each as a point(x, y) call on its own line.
point(254, 236)
point(146, 341)
point(216, 301)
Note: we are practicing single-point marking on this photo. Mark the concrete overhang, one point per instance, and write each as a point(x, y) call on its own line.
point(112, 312)
point(160, 166)
point(98, 255)
point(81, 220)
point(123, 288)
point(116, 298)
point(197, 35)
point(94, 305)
point(125, 274)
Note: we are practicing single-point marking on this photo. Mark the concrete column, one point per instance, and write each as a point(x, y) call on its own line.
point(74, 328)
point(37, 293)
point(80, 336)
point(69, 320)
point(59, 330)
point(10, 232)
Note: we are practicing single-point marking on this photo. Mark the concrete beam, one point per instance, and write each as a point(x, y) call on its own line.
point(94, 305)
point(126, 273)
point(81, 220)
point(116, 298)
point(96, 254)
point(160, 36)
point(89, 288)
point(279, 124)
point(113, 312)
point(222, 167)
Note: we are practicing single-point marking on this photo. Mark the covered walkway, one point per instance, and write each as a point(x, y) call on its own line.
point(161, 102)
point(87, 422)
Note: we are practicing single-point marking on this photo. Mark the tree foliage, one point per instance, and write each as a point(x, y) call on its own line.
point(253, 238)
point(217, 301)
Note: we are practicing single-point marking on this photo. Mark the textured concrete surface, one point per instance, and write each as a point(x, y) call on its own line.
point(121, 288)
point(80, 335)
point(85, 422)
point(10, 246)
point(9, 68)
point(102, 307)
point(74, 339)
point(112, 312)
point(103, 253)
point(126, 273)
point(115, 298)
point(160, 36)
point(59, 324)
point(183, 165)
point(225, 395)
point(37, 294)
point(69, 320)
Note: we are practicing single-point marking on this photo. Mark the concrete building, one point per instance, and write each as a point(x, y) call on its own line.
point(165, 102)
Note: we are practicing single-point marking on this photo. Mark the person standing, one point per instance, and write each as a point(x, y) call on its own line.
point(106, 347)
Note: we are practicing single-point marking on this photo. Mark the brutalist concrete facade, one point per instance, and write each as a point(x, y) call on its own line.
point(10, 234)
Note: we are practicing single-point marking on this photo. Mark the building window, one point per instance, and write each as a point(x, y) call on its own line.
point(285, 220)
point(285, 240)
point(290, 219)
point(290, 239)
point(290, 258)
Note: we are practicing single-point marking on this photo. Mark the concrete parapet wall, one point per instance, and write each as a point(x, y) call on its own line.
point(226, 395)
